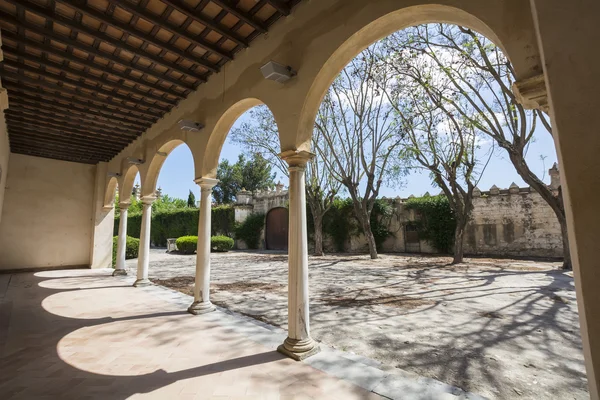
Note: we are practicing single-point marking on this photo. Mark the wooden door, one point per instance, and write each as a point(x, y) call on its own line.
point(276, 234)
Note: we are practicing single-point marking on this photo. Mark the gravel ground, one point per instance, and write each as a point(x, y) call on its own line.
point(504, 329)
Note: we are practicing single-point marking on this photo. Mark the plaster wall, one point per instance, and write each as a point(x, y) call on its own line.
point(46, 218)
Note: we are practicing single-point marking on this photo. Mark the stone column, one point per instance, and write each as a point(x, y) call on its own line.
point(144, 251)
point(567, 32)
point(202, 304)
point(298, 345)
point(122, 241)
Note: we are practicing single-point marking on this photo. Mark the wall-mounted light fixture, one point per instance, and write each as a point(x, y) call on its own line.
point(277, 72)
point(113, 174)
point(135, 161)
point(192, 126)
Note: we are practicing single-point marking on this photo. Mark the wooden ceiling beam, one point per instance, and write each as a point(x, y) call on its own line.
point(280, 6)
point(39, 143)
point(101, 143)
point(50, 155)
point(64, 123)
point(8, 35)
point(157, 20)
point(73, 105)
point(50, 111)
point(29, 137)
point(50, 34)
point(197, 16)
point(241, 15)
point(80, 28)
point(14, 53)
point(20, 66)
point(21, 121)
point(91, 12)
point(21, 79)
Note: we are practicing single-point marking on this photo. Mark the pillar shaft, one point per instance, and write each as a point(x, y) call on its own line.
point(122, 241)
point(144, 250)
point(567, 33)
point(202, 304)
point(299, 344)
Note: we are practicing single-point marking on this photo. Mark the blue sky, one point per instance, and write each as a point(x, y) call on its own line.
point(177, 175)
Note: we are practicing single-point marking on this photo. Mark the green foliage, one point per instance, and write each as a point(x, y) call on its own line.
point(340, 223)
point(167, 203)
point(436, 222)
point(191, 201)
point(249, 231)
point(131, 248)
point(223, 220)
point(187, 244)
point(380, 220)
point(253, 174)
point(179, 222)
point(221, 243)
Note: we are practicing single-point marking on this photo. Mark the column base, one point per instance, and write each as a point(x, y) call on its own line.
point(119, 272)
point(199, 307)
point(299, 349)
point(142, 283)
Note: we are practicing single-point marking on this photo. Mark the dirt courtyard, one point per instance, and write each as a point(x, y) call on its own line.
point(503, 329)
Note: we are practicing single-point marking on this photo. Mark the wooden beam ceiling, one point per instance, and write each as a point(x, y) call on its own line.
point(87, 77)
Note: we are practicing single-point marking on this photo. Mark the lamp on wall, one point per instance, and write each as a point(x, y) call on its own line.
point(277, 72)
point(113, 174)
point(192, 126)
point(135, 161)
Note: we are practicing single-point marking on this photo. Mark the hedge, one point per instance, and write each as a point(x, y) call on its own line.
point(187, 244)
point(131, 248)
point(177, 223)
point(221, 243)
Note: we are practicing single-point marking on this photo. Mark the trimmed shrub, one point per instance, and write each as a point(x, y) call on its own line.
point(221, 243)
point(249, 231)
point(187, 244)
point(131, 248)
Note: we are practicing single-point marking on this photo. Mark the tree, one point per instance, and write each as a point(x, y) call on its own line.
point(361, 145)
point(191, 201)
point(444, 144)
point(259, 135)
point(253, 174)
point(479, 80)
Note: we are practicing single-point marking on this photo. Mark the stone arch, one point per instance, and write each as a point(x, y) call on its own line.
point(155, 165)
point(220, 131)
point(128, 179)
point(379, 28)
point(110, 192)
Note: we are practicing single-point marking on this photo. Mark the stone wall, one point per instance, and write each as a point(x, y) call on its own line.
point(505, 222)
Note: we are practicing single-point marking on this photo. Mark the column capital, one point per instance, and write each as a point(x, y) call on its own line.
point(296, 158)
point(148, 200)
point(532, 93)
point(206, 183)
point(124, 205)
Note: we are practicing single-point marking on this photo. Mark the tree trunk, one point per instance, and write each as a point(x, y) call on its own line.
point(318, 223)
point(366, 225)
point(555, 202)
point(459, 241)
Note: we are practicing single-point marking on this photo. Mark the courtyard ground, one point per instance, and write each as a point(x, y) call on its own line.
point(503, 329)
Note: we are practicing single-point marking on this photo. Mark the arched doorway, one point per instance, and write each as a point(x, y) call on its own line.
point(276, 231)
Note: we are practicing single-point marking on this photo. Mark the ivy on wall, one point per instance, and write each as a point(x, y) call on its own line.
point(435, 221)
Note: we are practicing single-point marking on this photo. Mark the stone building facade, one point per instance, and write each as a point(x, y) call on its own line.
point(505, 222)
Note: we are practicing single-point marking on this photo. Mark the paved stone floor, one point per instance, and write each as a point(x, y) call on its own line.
point(83, 334)
point(504, 329)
